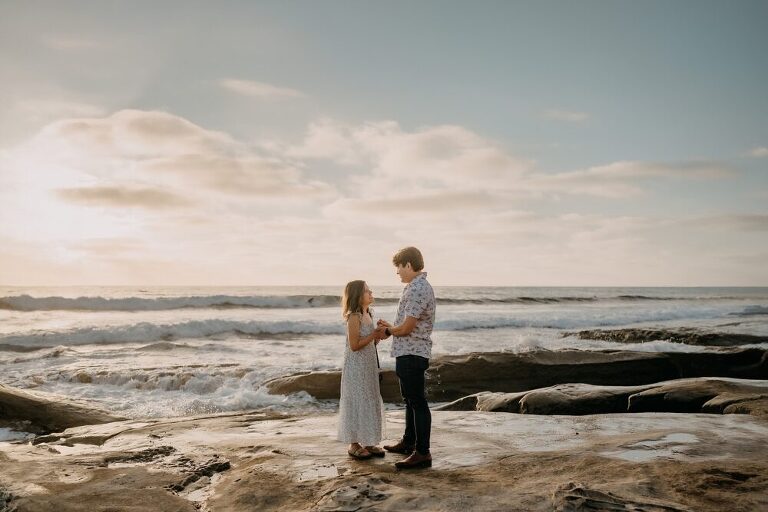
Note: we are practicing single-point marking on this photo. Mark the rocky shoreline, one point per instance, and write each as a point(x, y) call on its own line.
point(610, 430)
point(483, 461)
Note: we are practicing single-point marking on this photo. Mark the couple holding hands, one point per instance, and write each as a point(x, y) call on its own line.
point(361, 409)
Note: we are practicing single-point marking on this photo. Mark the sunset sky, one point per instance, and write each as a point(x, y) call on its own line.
point(303, 142)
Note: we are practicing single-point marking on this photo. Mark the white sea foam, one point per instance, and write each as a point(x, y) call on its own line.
point(6, 434)
point(181, 392)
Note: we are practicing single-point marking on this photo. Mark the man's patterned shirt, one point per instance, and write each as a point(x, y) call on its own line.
point(417, 301)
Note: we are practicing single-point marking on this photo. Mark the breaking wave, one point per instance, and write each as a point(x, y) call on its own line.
point(29, 303)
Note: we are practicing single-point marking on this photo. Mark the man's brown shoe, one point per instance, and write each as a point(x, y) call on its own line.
point(416, 460)
point(405, 449)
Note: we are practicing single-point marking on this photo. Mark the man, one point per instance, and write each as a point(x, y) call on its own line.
point(412, 348)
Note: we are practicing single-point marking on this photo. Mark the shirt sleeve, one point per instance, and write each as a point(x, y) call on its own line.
point(415, 302)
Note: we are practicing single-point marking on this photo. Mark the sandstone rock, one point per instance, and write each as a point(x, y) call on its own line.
point(573, 497)
point(755, 407)
point(467, 403)
point(500, 402)
point(47, 413)
point(578, 399)
point(487, 402)
point(695, 395)
point(452, 377)
point(326, 385)
point(703, 395)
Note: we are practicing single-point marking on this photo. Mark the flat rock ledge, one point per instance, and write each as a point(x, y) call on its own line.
point(41, 412)
point(687, 335)
point(452, 377)
point(700, 395)
point(482, 461)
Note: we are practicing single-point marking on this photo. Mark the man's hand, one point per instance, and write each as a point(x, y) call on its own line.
point(379, 333)
point(383, 325)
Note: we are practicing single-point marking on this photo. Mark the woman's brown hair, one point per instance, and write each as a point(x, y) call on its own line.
point(353, 296)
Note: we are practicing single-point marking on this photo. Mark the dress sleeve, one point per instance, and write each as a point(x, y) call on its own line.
point(359, 315)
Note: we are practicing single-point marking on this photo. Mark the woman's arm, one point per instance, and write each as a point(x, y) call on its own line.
point(353, 334)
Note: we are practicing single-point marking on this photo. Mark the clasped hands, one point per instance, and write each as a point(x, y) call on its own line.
point(380, 332)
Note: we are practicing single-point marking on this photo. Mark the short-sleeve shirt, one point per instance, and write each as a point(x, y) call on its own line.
point(417, 301)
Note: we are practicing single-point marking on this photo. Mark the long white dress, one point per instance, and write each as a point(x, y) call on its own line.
point(361, 409)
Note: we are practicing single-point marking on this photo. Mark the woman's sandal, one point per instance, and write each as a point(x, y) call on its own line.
point(360, 454)
point(375, 451)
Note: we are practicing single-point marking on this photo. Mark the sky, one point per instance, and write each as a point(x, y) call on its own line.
point(516, 143)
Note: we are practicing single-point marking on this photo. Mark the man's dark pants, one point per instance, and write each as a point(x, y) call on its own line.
point(418, 420)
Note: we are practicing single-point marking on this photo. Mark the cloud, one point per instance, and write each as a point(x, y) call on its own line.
point(162, 151)
point(49, 108)
point(66, 42)
point(736, 222)
point(327, 139)
point(134, 134)
point(150, 174)
point(110, 247)
point(410, 204)
point(120, 197)
point(259, 89)
point(431, 157)
point(247, 175)
point(760, 152)
point(566, 115)
point(169, 190)
point(616, 180)
point(446, 159)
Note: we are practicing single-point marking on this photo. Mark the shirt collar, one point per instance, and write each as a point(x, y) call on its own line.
point(423, 275)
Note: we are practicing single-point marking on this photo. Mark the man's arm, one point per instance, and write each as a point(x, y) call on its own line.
point(404, 329)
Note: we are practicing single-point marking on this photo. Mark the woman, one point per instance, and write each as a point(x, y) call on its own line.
point(361, 409)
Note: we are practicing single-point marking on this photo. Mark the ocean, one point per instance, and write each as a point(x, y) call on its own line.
point(178, 351)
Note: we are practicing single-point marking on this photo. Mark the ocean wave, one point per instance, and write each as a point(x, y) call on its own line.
point(752, 310)
point(642, 297)
point(160, 337)
point(190, 380)
point(146, 332)
point(175, 391)
point(515, 300)
point(29, 303)
point(216, 329)
point(37, 353)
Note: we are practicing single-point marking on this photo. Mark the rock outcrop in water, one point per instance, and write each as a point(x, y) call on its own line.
point(40, 413)
point(686, 335)
point(453, 377)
